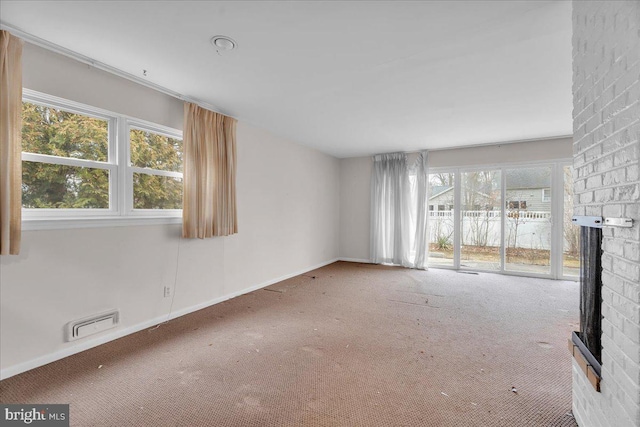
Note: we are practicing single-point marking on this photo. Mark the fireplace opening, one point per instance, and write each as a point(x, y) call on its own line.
point(586, 345)
point(591, 294)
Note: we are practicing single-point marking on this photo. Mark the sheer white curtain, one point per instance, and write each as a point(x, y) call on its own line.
point(399, 210)
point(420, 244)
point(389, 183)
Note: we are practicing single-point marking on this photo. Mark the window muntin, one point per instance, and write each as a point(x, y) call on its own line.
point(76, 163)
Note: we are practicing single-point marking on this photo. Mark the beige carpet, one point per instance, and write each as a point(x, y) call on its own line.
point(358, 345)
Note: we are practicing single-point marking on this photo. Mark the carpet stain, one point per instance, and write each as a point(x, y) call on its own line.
point(312, 350)
point(254, 335)
point(251, 402)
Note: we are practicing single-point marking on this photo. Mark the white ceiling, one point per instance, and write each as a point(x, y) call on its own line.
point(348, 78)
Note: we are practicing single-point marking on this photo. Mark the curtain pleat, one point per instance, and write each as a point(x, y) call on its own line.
point(421, 241)
point(10, 143)
point(388, 220)
point(399, 210)
point(209, 200)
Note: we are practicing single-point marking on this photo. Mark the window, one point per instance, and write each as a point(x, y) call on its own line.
point(546, 194)
point(68, 158)
point(518, 204)
point(81, 162)
point(156, 169)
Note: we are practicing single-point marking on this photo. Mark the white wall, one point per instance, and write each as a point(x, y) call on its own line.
point(355, 208)
point(60, 76)
point(288, 213)
point(606, 122)
point(530, 151)
point(355, 182)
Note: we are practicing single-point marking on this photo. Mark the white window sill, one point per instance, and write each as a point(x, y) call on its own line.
point(95, 222)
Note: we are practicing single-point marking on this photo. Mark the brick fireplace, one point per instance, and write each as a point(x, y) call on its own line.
point(606, 125)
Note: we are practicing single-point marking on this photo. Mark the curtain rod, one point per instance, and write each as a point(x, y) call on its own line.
point(52, 47)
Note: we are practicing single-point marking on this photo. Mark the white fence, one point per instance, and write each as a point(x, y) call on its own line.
point(523, 229)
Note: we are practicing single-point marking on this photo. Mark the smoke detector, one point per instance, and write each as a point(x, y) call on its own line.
point(223, 44)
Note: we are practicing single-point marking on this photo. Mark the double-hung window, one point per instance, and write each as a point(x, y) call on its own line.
point(155, 169)
point(81, 164)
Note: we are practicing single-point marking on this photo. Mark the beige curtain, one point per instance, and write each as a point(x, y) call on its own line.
point(10, 143)
point(209, 201)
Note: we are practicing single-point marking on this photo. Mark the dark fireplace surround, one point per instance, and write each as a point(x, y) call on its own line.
point(585, 345)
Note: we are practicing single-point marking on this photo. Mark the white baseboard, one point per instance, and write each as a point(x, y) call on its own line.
point(364, 261)
point(245, 291)
point(119, 333)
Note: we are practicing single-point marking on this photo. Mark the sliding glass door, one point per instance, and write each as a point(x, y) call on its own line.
point(480, 222)
point(441, 219)
point(528, 220)
point(513, 219)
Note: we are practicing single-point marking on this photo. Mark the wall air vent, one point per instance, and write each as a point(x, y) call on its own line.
point(91, 325)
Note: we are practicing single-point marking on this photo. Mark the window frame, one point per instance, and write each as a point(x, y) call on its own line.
point(120, 211)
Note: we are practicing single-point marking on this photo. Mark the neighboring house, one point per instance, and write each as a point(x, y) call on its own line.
point(441, 198)
point(527, 190)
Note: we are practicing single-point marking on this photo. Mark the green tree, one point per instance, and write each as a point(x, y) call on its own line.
point(59, 133)
point(154, 151)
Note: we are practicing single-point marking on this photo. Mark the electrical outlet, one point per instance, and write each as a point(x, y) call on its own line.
point(167, 291)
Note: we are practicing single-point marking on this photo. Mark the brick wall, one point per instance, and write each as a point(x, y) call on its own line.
point(606, 125)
